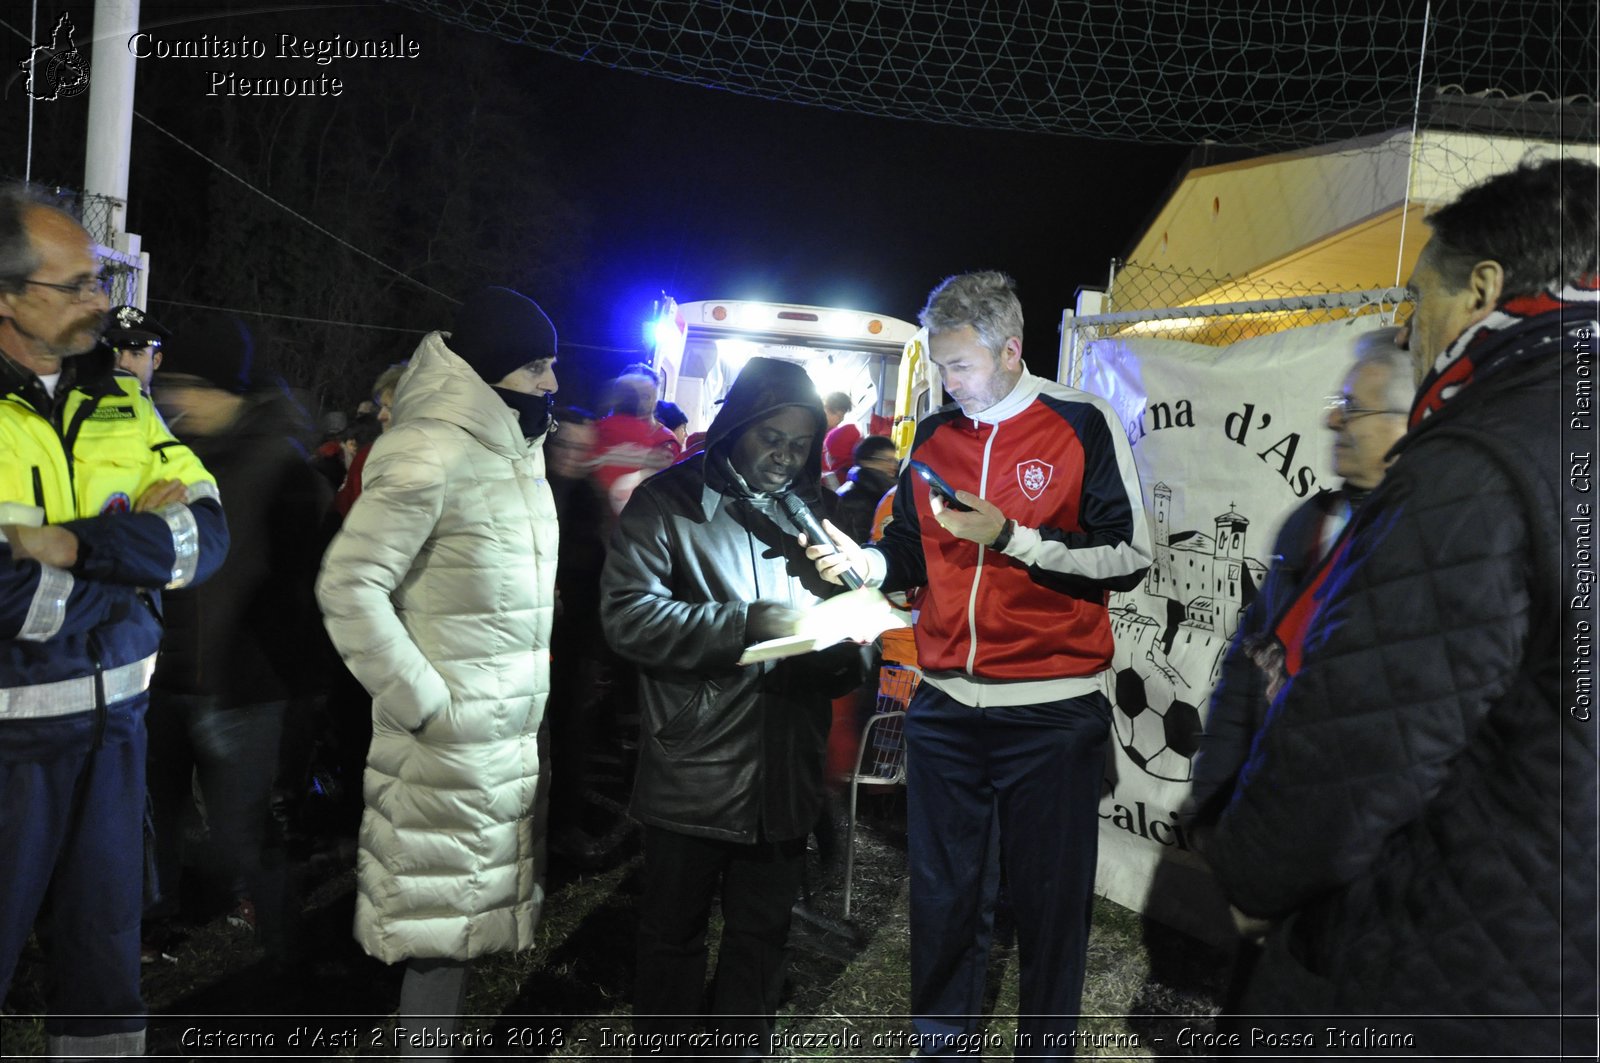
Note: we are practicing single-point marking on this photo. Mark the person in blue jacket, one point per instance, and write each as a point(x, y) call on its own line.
point(100, 508)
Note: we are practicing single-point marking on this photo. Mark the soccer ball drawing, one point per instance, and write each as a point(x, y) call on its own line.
point(1157, 729)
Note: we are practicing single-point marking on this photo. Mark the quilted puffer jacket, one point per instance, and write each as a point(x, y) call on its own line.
point(438, 594)
point(729, 752)
point(1239, 702)
point(1418, 813)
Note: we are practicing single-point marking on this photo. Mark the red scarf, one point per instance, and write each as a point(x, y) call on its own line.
point(1295, 621)
point(1518, 331)
point(1501, 341)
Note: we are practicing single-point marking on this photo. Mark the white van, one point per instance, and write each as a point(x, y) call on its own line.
point(701, 346)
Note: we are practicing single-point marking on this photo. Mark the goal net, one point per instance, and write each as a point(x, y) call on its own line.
point(1266, 75)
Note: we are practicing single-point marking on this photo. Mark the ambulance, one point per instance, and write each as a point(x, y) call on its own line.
point(879, 361)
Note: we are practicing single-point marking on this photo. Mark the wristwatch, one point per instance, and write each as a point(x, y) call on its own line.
point(1002, 540)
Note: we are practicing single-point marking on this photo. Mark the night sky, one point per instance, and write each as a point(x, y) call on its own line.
point(707, 194)
point(711, 195)
point(696, 192)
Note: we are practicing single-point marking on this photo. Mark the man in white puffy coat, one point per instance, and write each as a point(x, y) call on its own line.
point(438, 593)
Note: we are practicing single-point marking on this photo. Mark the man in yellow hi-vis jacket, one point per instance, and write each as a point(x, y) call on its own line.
point(100, 508)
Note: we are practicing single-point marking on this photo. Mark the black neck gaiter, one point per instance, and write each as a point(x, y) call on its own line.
point(533, 411)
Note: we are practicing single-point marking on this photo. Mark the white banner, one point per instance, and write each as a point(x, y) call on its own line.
point(1228, 440)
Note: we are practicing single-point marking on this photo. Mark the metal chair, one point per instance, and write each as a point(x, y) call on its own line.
point(881, 759)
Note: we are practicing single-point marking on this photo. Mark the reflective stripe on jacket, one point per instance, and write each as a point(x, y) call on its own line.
point(85, 468)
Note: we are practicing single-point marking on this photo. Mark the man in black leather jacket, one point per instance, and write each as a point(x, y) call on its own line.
point(703, 564)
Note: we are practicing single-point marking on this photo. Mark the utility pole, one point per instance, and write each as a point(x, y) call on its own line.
point(105, 165)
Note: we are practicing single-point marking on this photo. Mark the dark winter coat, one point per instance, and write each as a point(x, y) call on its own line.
point(726, 751)
point(1418, 813)
point(582, 513)
point(858, 502)
point(1239, 701)
point(252, 633)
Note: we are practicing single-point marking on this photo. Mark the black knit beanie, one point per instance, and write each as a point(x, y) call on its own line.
point(216, 348)
point(498, 331)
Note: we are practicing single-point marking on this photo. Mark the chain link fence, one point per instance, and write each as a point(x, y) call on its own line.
point(1216, 310)
point(100, 215)
point(1209, 308)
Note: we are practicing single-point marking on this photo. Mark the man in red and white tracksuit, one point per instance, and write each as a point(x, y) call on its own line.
point(1009, 727)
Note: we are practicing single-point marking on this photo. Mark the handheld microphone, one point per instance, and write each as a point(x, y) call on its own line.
point(807, 522)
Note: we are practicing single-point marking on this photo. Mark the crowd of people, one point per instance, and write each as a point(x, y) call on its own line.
point(207, 616)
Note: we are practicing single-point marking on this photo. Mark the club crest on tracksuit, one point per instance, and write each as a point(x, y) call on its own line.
point(1034, 476)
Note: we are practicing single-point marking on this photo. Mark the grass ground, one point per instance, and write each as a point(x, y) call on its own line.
point(568, 996)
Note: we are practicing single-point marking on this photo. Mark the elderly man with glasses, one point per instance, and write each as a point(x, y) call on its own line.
point(100, 508)
point(1367, 417)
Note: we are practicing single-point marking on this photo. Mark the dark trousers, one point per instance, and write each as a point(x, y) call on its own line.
point(1034, 771)
point(234, 751)
point(72, 854)
point(759, 885)
point(575, 678)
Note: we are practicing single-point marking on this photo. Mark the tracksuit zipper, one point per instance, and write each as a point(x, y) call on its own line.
point(977, 576)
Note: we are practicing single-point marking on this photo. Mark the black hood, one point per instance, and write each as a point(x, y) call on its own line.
point(764, 386)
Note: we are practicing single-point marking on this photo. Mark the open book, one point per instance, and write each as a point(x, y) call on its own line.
point(860, 615)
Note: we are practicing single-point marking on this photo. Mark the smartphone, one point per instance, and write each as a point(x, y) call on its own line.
point(939, 484)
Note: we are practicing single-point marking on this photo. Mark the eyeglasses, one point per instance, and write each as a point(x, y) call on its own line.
point(83, 290)
point(1348, 411)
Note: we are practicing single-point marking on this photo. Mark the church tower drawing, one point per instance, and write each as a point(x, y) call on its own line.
point(1172, 632)
point(1161, 580)
point(1227, 571)
point(1209, 583)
